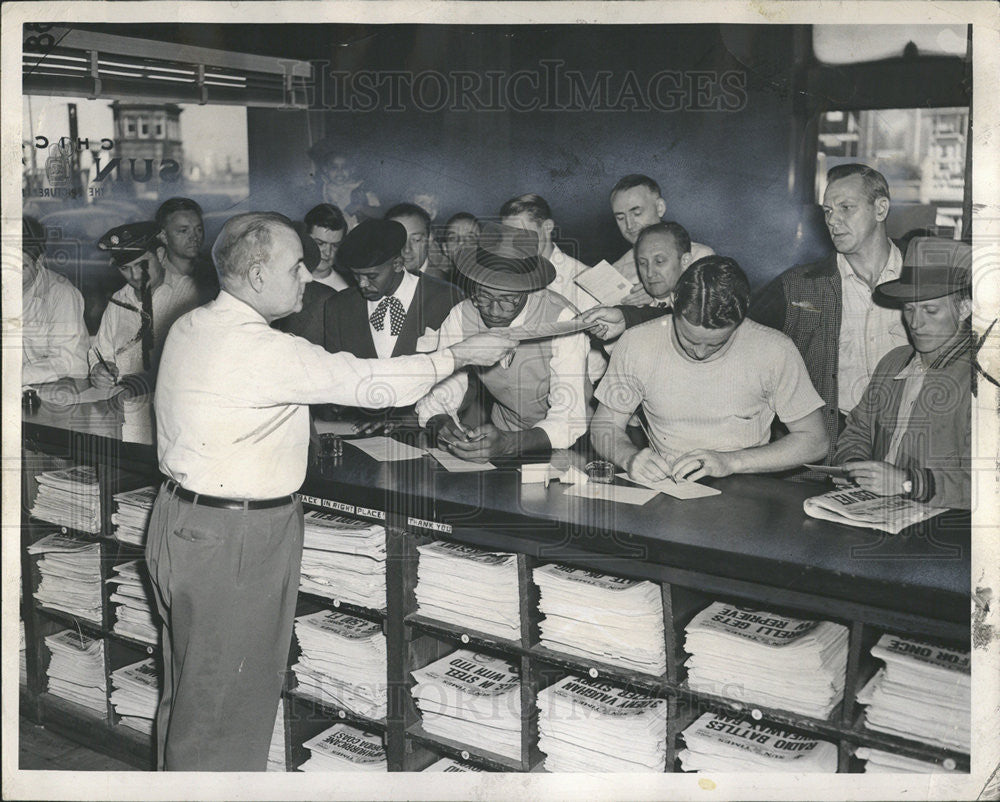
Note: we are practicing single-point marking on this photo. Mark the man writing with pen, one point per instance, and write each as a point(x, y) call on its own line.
point(710, 383)
point(138, 316)
point(538, 400)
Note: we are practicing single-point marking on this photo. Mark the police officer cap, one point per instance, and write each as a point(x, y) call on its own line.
point(128, 242)
point(371, 243)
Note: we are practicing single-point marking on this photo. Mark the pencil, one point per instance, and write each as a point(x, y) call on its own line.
point(107, 367)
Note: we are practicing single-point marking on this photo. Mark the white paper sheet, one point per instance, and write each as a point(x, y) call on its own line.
point(616, 493)
point(457, 464)
point(605, 283)
point(385, 449)
point(682, 489)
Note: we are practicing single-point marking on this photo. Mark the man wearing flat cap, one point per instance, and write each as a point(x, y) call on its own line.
point(224, 543)
point(136, 321)
point(540, 397)
point(910, 435)
point(53, 334)
point(389, 307)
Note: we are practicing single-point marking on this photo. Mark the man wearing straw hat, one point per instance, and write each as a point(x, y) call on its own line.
point(540, 397)
point(910, 434)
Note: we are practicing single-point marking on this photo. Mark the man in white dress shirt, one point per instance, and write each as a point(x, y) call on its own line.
point(53, 335)
point(225, 536)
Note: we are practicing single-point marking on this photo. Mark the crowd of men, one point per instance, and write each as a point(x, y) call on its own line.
point(861, 359)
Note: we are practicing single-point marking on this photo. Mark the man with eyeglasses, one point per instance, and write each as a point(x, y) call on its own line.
point(540, 397)
point(139, 315)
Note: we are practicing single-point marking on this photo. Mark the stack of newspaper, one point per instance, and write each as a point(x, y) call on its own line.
point(131, 515)
point(924, 692)
point(136, 694)
point(856, 507)
point(343, 748)
point(76, 670)
point(449, 765)
point(767, 658)
point(71, 575)
point(133, 608)
point(719, 742)
point(471, 588)
point(344, 559)
point(602, 617)
point(585, 725)
point(879, 762)
point(343, 662)
point(472, 698)
point(69, 497)
point(276, 751)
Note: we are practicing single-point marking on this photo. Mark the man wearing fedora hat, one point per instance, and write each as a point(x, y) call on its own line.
point(389, 307)
point(910, 434)
point(540, 397)
point(139, 315)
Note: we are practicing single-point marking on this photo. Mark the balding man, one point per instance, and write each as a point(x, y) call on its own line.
point(225, 537)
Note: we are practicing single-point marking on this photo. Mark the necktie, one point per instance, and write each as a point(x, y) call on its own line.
point(397, 315)
point(146, 326)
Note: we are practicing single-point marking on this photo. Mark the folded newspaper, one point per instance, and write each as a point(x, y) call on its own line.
point(586, 725)
point(723, 743)
point(857, 507)
point(473, 698)
point(343, 748)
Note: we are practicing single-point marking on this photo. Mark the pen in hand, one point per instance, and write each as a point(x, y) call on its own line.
point(111, 373)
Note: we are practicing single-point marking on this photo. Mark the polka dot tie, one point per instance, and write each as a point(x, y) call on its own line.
point(397, 315)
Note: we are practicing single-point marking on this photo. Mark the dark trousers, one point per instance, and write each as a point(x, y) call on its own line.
point(226, 583)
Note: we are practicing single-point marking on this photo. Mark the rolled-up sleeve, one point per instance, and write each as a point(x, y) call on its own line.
point(569, 392)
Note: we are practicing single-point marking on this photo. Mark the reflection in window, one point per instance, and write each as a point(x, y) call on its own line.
point(921, 152)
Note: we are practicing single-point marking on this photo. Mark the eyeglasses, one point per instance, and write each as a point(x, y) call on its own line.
point(506, 303)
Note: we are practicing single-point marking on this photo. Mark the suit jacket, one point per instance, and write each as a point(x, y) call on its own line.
point(308, 322)
point(346, 327)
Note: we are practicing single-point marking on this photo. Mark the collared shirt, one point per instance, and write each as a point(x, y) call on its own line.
point(232, 414)
point(53, 335)
point(118, 340)
point(912, 377)
point(385, 340)
point(567, 415)
point(867, 331)
point(567, 269)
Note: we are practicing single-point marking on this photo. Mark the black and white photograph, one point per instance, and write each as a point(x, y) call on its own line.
point(595, 400)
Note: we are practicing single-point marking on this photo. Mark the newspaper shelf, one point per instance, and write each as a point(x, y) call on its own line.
point(463, 636)
point(859, 735)
point(337, 715)
point(658, 686)
point(325, 602)
point(93, 629)
point(455, 749)
point(828, 728)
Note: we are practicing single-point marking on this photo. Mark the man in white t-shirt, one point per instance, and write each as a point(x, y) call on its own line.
point(710, 383)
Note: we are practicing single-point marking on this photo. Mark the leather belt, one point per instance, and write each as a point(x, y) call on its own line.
point(225, 503)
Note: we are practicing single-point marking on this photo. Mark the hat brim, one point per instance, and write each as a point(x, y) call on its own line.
point(897, 292)
point(537, 279)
